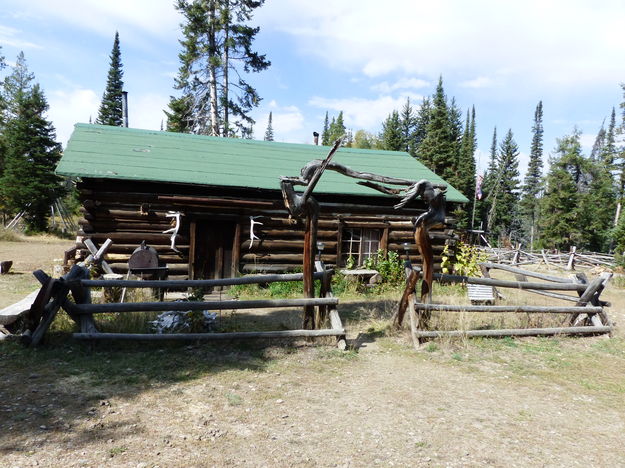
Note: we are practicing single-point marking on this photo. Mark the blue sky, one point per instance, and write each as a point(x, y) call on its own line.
point(363, 57)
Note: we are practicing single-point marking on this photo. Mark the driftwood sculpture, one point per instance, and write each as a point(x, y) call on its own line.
point(302, 205)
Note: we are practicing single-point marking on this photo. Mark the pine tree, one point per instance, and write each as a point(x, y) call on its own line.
point(336, 129)
point(439, 149)
point(110, 112)
point(597, 146)
point(269, 131)
point(490, 184)
point(325, 134)
point(503, 210)
point(532, 184)
point(408, 122)
point(391, 137)
point(466, 171)
point(28, 182)
point(15, 85)
point(217, 45)
point(422, 120)
point(608, 155)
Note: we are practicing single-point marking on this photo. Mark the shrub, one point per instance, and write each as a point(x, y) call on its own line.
point(466, 261)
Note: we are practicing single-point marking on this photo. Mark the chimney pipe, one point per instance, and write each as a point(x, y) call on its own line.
point(125, 108)
point(316, 138)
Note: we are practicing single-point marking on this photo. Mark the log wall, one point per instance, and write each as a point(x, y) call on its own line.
point(130, 212)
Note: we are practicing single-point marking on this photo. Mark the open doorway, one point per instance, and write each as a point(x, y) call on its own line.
point(210, 253)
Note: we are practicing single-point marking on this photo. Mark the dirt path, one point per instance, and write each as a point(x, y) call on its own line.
point(37, 252)
point(312, 407)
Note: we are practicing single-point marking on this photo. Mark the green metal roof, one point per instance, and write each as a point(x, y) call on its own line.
point(101, 151)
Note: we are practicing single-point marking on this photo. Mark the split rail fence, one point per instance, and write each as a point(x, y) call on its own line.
point(567, 260)
point(54, 295)
point(587, 314)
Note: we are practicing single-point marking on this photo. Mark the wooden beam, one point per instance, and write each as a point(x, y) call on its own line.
point(210, 336)
point(592, 330)
point(249, 279)
point(531, 274)
point(509, 284)
point(192, 305)
point(506, 308)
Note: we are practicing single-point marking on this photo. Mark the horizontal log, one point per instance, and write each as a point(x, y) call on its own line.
point(269, 244)
point(95, 226)
point(413, 247)
point(160, 249)
point(275, 267)
point(296, 232)
point(167, 259)
point(510, 284)
point(210, 336)
point(250, 279)
point(408, 235)
point(281, 258)
point(122, 214)
point(192, 305)
point(531, 274)
point(125, 237)
point(516, 332)
point(174, 269)
point(215, 201)
point(508, 308)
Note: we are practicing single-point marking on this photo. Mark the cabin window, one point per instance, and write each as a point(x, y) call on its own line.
point(359, 244)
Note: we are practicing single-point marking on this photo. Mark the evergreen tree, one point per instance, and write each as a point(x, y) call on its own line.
point(269, 131)
point(597, 147)
point(217, 45)
point(532, 184)
point(15, 85)
point(608, 154)
point(439, 149)
point(422, 120)
point(391, 137)
point(408, 122)
point(503, 209)
point(28, 182)
point(490, 184)
point(466, 171)
point(325, 134)
point(110, 112)
point(336, 129)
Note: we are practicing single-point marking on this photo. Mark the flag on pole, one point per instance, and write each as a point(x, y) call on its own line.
point(478, 187)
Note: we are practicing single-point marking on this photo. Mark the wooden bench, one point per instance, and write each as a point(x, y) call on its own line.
point(480, 293)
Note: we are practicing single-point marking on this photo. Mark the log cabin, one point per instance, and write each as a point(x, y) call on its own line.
point(212, 207)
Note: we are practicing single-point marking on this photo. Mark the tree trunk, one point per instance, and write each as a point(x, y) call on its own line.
point(212, 74)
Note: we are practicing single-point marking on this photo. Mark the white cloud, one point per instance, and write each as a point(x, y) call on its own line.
point(159, 19)
point(146, 110)
point(587, 140)
point(477, 83)
point(360, 113)
point(70, 107)
point(560, 42)
point(403, 83)
point(287, 122)
point(11, 37)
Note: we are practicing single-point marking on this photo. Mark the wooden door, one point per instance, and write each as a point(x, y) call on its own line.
point(211, 248)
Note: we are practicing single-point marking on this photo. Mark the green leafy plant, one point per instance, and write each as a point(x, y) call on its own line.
point(465, 262)
point(389, 266)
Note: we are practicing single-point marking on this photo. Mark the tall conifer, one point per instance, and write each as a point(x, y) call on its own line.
point(532, 184)
point(110, 112)
point(28, 182)
point(438, 150)
point(269, 131)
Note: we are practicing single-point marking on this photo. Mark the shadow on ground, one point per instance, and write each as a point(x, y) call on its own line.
point(65, 382)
